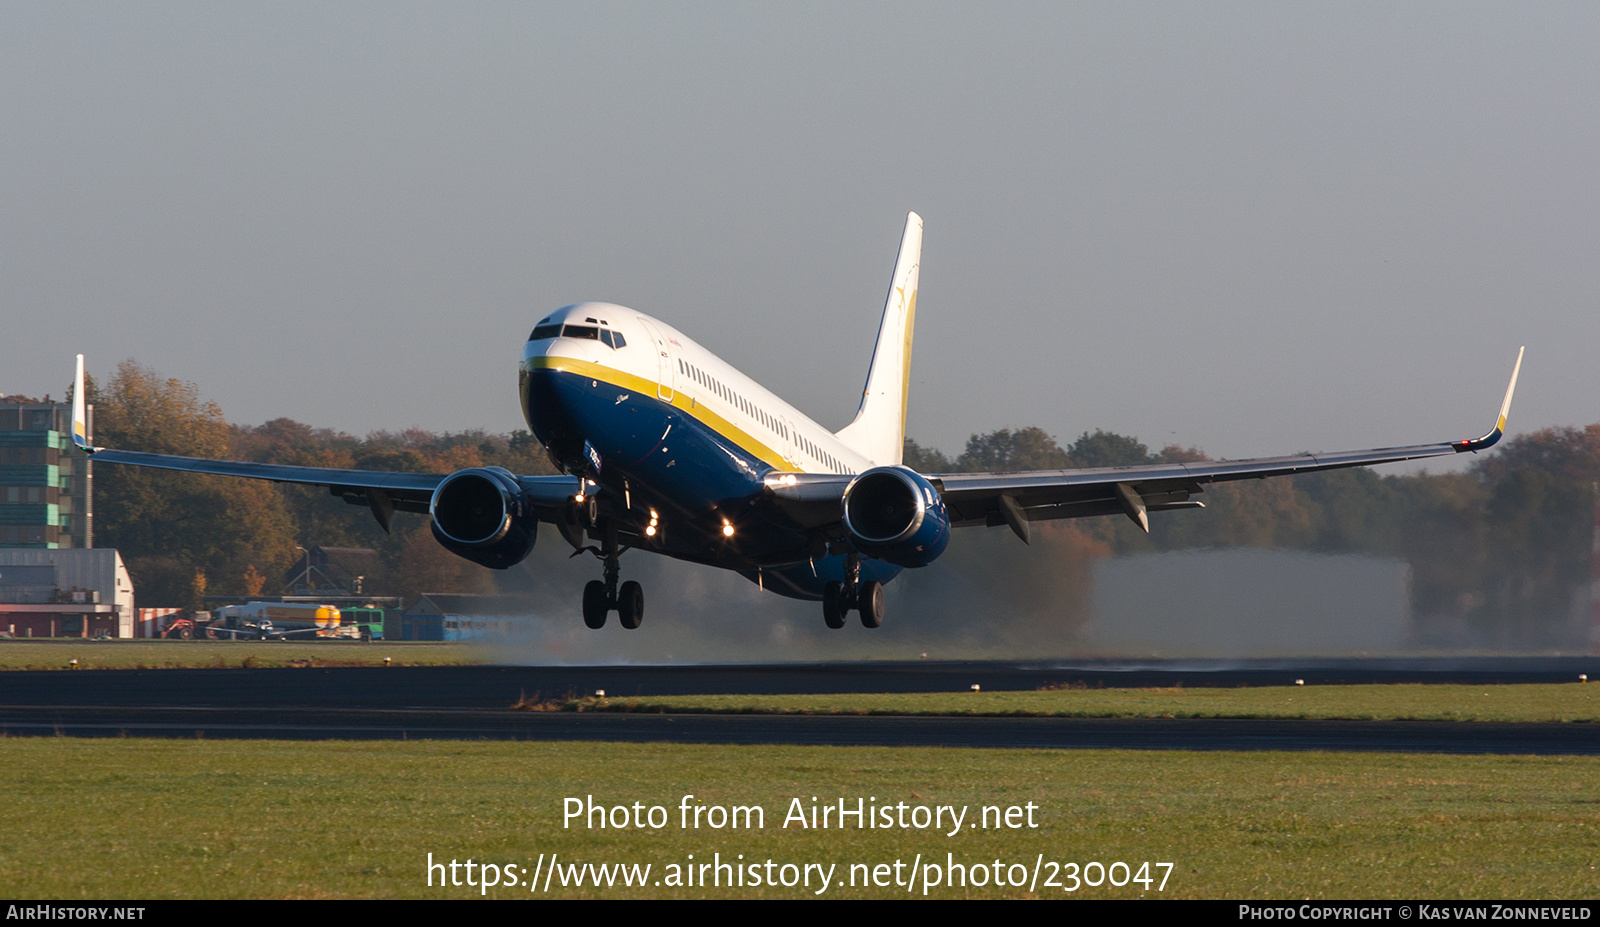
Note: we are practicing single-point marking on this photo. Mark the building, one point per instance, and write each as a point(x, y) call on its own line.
point(447, 617)
point(331, 571)
point(65, 593)
point(46, 484)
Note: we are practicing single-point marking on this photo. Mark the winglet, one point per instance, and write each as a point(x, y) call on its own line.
point(80, 417)
point(1489, 440)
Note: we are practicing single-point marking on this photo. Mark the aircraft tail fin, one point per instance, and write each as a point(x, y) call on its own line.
point(80, 413)
point(879, 429)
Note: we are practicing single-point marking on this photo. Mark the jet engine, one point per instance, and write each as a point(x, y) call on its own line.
point(895, 515)
point(480, 514)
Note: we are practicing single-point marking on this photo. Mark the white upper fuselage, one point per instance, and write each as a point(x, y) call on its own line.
point(673, 368)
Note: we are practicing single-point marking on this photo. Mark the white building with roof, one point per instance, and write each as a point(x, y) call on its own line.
point(77, 592)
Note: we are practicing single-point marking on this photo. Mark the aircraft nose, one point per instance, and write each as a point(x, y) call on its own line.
point(551, 410)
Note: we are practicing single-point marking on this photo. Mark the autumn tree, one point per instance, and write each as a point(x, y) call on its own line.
point(253, 581)
point(171, 525)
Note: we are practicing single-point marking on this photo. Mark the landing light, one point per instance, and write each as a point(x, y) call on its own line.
point(650, 531)
point(727, 530)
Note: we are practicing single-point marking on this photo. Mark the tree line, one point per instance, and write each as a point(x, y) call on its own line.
point(1502, 548)
point(185, 535)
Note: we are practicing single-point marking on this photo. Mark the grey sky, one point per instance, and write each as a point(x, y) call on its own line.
point(1252, 228)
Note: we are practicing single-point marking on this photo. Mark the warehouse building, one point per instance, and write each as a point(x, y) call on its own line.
point(65, 593)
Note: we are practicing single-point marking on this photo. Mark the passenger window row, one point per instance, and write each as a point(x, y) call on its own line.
point(822, 455)
point(718, 388)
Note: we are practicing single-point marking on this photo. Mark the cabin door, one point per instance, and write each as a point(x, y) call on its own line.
point(667, 371)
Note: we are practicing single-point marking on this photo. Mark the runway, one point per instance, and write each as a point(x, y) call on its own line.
point(499, 686)
point(1041, 733)
point(472, 702)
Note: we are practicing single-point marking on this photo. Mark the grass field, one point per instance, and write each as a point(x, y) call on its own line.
point(159, 654)
point(1567, 702)
point(253, 819)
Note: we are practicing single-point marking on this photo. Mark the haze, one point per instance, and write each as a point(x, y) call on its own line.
point(1255, 228)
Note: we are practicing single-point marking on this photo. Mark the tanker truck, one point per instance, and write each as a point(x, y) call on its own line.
point(281, 621)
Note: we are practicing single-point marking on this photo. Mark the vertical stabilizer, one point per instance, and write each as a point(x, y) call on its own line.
point(879, 429)
point(80, 412)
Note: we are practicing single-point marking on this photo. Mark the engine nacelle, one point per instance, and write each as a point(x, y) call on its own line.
point(479, 514)
point(895, 515)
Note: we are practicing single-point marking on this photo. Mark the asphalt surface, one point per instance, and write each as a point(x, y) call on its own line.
point(499, 686)
point(1050, 733)
point(473, 702)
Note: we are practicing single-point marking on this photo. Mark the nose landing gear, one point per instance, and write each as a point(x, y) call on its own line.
point(600, 597)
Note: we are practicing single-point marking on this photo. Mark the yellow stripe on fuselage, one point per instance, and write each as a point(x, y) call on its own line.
point(688, 405)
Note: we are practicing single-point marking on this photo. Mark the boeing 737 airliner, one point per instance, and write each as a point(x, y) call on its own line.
point(668, 448)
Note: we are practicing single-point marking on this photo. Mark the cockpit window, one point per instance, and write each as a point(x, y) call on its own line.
point(587, 332)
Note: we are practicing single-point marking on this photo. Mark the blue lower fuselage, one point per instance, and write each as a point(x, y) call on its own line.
point(660, 458)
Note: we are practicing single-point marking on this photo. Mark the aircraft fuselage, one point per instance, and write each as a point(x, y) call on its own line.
point(671, 432)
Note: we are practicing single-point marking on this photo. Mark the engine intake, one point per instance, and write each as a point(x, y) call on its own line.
point(479, 514)
point(895, 515)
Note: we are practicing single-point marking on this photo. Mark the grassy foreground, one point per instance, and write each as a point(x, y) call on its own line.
point(1566, 702)
point(169, 818)
point(161, 654)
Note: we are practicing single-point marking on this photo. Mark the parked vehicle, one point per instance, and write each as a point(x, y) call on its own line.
point(282, 621)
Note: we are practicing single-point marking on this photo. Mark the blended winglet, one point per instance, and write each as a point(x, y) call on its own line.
point(80, 416)
point(1489, 440)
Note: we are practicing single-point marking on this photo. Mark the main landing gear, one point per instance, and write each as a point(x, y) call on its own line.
point(600, 597)
point(839, 599)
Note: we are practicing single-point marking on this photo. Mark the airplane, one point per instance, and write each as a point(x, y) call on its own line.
point(665, 447)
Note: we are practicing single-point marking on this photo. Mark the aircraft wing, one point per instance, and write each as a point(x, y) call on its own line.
point(276, 632)
point(406, 489)
point(380, 489)
point(1015, 499)
point(1041, 495)
point(384, 491)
